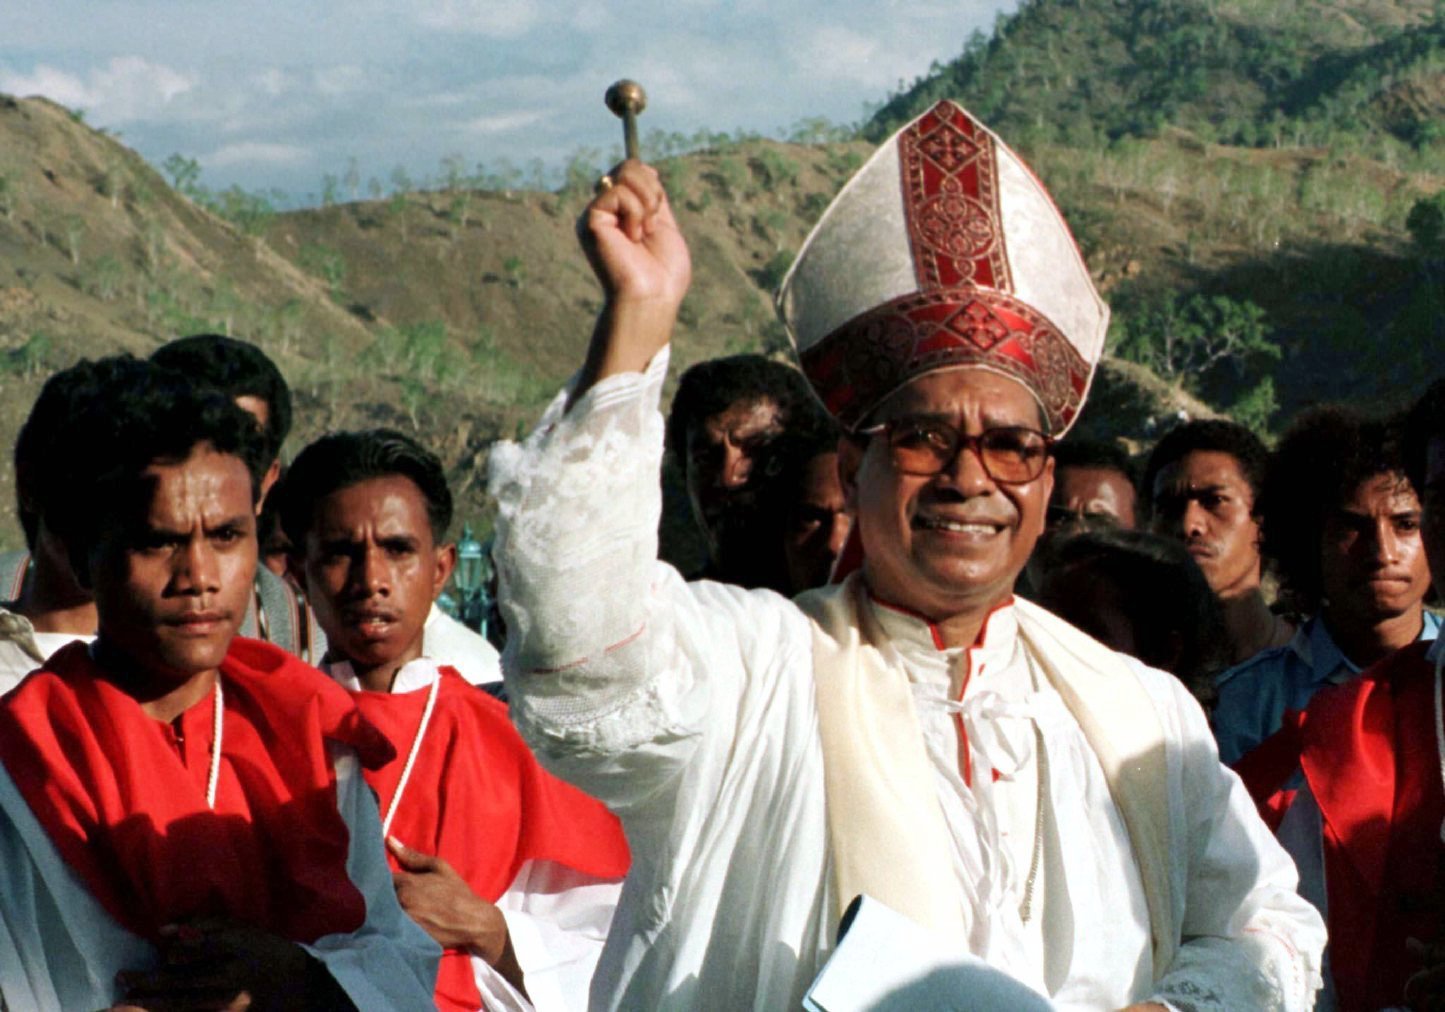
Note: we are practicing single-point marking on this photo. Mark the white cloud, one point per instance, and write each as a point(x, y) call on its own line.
point(56, 85)
point(274, 82)
point(591, 17)
point(837, 53)
point(502, 19)
point(281, 92)
point(127, 88)
point(435, 99)
point(340, 80)
point(848, 55)
point(255, 153)
point(503, 122)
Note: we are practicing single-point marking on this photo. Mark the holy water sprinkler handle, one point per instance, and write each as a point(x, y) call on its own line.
point(626, 99)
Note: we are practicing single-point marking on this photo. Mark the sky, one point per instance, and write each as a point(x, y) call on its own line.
point(277, 94)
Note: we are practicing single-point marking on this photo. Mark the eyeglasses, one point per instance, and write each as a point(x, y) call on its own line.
point(1010, 454)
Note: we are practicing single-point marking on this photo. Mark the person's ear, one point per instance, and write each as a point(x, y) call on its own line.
point(446, 562)
point(267, 480)
point(84, 556)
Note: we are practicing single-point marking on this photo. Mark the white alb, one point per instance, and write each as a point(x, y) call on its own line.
point(690, 710)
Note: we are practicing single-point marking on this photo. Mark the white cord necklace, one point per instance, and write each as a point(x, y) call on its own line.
point(1026, 908)
point(431, 702)
point(213, 777)
point(1440, 724)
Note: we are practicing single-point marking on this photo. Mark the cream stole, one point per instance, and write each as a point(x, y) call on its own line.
point(887, 833)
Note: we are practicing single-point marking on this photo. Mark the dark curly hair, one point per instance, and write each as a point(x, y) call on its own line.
point(816, 434)
point(1213, 435)
point(344, 459)
point(1424, 421)
point(1094, 453)
point(45, 445)
point(237, 369)
point(710, 387)
point(137, 414)
point(1175, 618)
point(1324, 456)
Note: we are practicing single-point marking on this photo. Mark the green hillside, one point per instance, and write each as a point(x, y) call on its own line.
point(1265, 73)
point(1268, 154)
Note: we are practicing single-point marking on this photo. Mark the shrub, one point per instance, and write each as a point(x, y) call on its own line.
point(1426, 225)
point(1184, 339)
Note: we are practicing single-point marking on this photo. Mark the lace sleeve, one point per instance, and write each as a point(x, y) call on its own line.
point(1249, 940)
point(625, 679)
point(578, 506)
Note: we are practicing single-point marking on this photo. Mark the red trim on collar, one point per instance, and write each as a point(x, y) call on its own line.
point(965, 757)
point(900, 609)
point(983, 629)
point(933, 629)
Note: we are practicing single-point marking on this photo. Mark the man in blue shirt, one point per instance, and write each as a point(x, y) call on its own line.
point(1342, 528)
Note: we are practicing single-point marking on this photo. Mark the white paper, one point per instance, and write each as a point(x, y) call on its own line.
point(888, 963)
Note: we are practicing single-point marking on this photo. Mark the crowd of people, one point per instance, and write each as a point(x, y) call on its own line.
point(1129, 728)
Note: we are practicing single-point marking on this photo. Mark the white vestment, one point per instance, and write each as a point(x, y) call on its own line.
point(23, 649)
point(690, 709)
point(451, 642)
point(60, 949)
point(557, 917)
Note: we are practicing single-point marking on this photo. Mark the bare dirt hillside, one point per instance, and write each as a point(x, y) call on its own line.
point(453, 314)
point(98, 255)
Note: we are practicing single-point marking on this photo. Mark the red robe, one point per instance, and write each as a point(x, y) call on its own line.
point(123, 799)
point(1369, 755)
point(478, 799)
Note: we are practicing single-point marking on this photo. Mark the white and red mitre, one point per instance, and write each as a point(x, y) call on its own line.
point(943, 252)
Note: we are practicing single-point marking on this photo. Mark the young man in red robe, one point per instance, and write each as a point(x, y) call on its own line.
point(512, 871)
point(182, 820)
point(1367, 829)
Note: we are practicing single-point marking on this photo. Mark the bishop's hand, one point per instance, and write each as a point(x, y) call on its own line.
point(638, 254)
point(632, 240)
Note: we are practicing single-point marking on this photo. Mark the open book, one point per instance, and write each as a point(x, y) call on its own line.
point(887, 963)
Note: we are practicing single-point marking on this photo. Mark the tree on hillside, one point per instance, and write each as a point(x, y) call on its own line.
point(252, 213)
point(1065, 71)
point(1183, 338)
point(1421, 324)
point(185, 173)
point(1187, 341)
point(352, 179)
point(1426, 225)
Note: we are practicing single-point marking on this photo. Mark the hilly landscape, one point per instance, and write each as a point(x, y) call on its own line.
point(1265, 152)
point(1259, 188)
